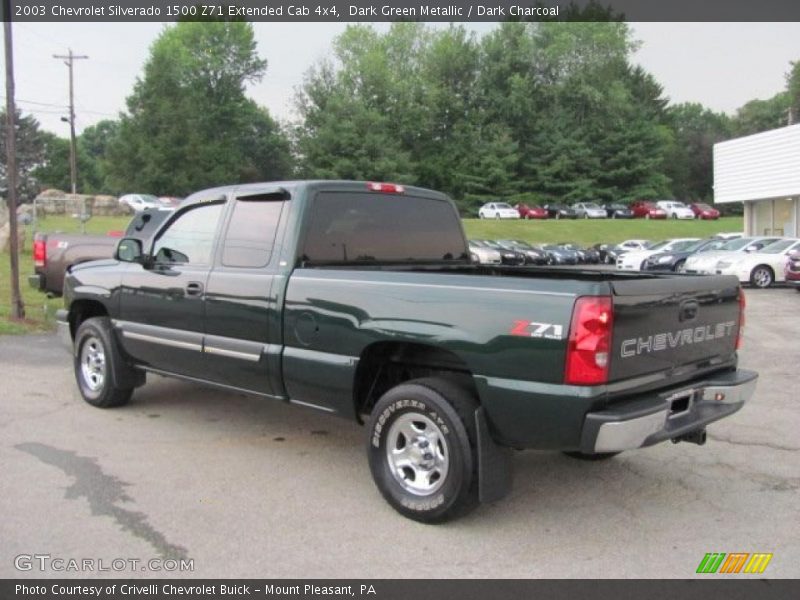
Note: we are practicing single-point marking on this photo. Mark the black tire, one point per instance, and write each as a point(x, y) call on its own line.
point(450, 409)
point(96, 361)
point(762, 277)
point(679, 266)
point(591, 457)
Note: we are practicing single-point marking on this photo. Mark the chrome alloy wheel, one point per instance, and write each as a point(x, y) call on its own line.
point(762, 277)
point(93, 364)
point(417, 454)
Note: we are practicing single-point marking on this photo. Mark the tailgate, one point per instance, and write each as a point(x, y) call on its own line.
point(665, 323)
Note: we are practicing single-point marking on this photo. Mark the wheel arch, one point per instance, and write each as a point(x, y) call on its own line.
point(83, 309)
point(383, 365)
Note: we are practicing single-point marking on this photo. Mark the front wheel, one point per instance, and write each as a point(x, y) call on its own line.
point(761, 277)
point(680, 267)
point(422, 449)
point(95, 359)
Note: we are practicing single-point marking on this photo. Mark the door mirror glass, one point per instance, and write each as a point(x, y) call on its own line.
point(129, 250)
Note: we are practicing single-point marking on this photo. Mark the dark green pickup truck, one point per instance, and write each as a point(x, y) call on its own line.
point(359, 299)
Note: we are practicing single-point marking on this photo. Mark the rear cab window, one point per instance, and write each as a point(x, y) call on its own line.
point(355, 227)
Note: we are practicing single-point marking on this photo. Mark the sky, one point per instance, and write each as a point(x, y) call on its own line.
point(721, 65)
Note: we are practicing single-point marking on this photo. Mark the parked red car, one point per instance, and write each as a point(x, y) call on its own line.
point(704, 211)
point(643, 209)
point(531, 212)
point(793, 271)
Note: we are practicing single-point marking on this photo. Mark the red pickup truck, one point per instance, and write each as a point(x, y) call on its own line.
point(55, 253)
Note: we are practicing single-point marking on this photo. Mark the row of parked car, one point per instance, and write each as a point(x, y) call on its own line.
point(760, 261)
point(641, 209)
point(519, 253)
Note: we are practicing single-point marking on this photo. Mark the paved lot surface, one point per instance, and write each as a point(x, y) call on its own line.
point(245, 487)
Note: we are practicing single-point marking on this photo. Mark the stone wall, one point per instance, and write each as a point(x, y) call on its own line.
point(57, 202)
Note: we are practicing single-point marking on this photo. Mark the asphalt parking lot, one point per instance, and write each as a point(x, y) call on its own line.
point(248, 488)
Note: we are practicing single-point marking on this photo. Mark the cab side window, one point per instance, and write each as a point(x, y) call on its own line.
point(251, 233)
point(190, 238)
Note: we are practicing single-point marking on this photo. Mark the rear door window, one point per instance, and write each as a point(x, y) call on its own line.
point(251, 232)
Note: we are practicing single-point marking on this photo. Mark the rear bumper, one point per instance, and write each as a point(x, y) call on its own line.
point(62, 328)
point(645, 421)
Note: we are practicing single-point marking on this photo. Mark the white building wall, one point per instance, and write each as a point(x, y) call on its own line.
point(761, 166)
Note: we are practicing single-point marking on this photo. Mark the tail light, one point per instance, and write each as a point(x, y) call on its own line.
point(39, 252)
point(589, 343)
point(387, 188)
point(740, 333)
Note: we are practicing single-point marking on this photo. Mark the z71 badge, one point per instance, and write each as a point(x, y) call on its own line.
point(547, 331)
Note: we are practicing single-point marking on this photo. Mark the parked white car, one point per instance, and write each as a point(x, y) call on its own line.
point(675, 209)
point(138, 202)
point(629, 245)
point(498, 210)
point(634, 260)
point(483, 254)
point(760, 269)
point(705, 263)
point(589, 210)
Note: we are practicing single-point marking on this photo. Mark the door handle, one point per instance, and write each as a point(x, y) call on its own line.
point(194, 288)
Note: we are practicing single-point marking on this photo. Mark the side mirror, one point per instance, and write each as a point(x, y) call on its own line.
point(131, 250)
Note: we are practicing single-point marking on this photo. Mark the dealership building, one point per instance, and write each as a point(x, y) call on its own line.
point(763, 171)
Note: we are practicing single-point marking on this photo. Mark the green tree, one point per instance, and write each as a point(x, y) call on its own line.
point(690, 164)
point(189, 124)
point(54, 172)
point(31, 150)
point(793, 89)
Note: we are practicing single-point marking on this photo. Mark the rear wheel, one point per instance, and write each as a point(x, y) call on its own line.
point(762, 277)
point(96, 360)
point(423, 449)
point(591, 457)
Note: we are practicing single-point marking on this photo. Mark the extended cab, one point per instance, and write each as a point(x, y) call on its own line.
point(359, 300)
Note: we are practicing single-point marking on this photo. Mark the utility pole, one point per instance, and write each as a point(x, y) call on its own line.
point(17, 306)
point(69, 59)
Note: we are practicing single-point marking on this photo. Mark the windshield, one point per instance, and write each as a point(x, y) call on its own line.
point(703, 206)
point(590, 205)
point(736, 244)
point(658, 245)
point(681, 246)
point(502, 205)
point(777, 247)
point(706, 245)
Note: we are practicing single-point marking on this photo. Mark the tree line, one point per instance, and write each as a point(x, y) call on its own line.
point(538, 112)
